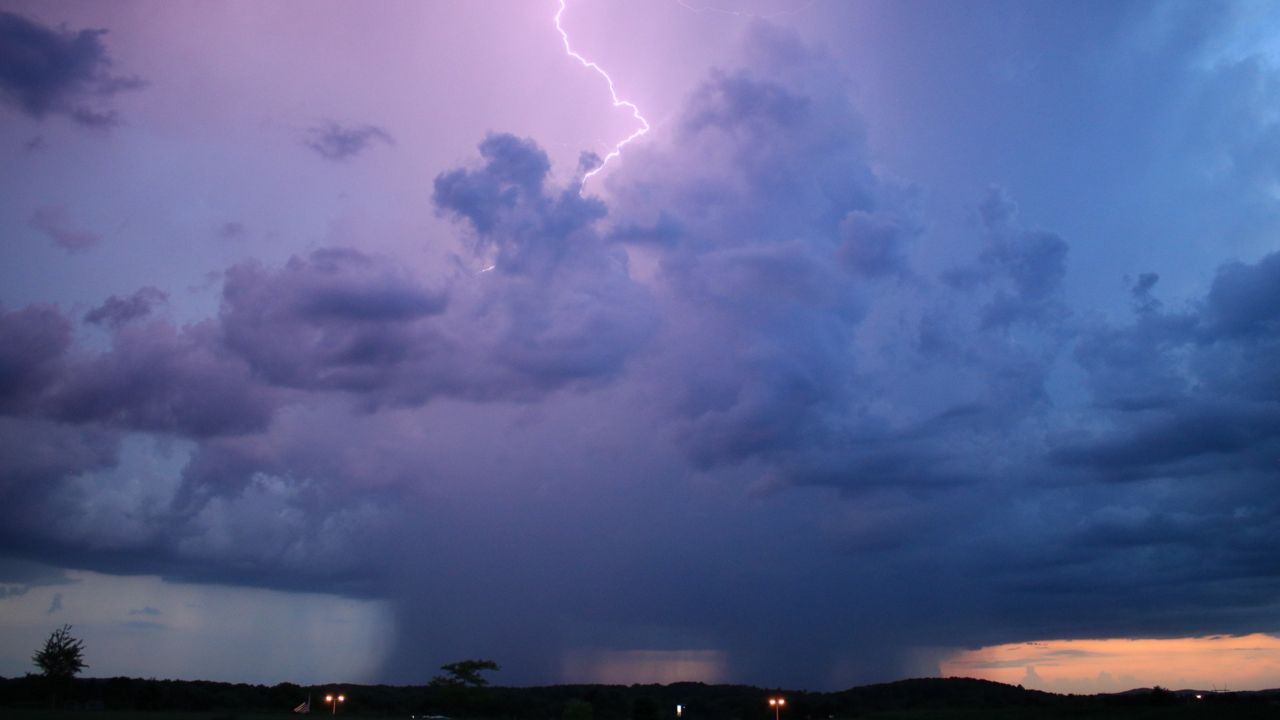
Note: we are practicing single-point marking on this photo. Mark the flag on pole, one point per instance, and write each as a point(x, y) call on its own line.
point(304, 707)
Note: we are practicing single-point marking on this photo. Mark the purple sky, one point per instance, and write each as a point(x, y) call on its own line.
point(911, 328)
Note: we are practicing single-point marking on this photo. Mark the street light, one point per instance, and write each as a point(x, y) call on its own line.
point(333, 701)
point(776, 704)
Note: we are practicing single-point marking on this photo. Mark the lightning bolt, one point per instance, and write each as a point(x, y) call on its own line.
point(617, 101)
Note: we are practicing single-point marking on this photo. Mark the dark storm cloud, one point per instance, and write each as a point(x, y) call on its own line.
point(1244, 302)
point(115, 312)
point(339, 320)
point(38, 459)
point(928, 457)
point(739, 102)
point(155, 377)
point(773, 273)
point(872, 246)
point(1029, 264)
point(761, 312)
point(515, 170)
point(37, 453)
point(557, 312)
point(27, 574)
point(18, 577)
point(1165, 441)
point(46, 71)
point(1194, 390)
point(340, 143)
point(33, 342)
point(158, 378)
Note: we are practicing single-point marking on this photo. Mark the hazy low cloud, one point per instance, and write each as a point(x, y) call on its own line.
point(55, 223)
point(340, 143)
point(115, 312)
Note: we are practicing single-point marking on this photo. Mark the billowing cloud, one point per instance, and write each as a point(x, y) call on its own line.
point(46, 71)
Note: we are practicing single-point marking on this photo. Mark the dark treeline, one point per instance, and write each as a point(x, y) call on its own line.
point(580, 702)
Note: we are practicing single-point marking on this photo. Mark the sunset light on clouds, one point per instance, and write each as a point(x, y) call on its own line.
point(1223, 662)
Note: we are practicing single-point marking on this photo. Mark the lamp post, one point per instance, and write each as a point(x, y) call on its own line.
point(333, 702)
point(776, 703)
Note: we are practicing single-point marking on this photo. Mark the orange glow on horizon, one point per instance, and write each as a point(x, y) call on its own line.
point(1236, 662)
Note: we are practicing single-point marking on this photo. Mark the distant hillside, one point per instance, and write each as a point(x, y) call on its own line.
point(939, 693)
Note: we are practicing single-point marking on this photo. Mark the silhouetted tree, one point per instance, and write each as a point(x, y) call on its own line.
point(61, 659)
point(465, 673)
point(461, 691)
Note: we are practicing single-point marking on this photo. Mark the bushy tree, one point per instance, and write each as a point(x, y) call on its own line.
point(62, 657)
point(465, 673)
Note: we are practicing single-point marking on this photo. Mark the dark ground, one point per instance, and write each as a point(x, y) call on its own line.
point(30, 698)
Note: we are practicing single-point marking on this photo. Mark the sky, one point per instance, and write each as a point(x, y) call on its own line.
point(913, 338)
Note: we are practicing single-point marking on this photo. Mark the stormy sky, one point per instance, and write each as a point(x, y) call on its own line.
point(913, 338)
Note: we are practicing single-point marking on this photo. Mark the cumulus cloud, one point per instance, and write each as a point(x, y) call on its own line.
point(47, 71)
point(340, 143)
